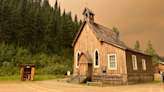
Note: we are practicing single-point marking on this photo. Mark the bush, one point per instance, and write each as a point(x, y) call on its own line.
point(11, 58)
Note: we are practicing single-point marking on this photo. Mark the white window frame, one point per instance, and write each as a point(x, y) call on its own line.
point(96, 66)
point(77, 58)
point(134, 67)
point(144, 64)
point(109, 68)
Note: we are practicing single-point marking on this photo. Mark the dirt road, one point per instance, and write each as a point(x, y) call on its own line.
point(54, 86)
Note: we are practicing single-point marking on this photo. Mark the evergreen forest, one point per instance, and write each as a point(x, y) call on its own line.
point(33, 32)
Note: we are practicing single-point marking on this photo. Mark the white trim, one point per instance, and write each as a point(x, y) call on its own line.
point(77, 58)
point(109, 68)
point(144, 64)
point(96, 66)
point(134, 67)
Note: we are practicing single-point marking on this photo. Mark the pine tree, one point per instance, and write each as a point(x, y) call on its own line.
point(58, 24)
point(21, 21)
point(62, 30)
point(75, 25)
point(70, 30)
point(80, 23)
point(0, 16)
point(137, 46)
point(46, 3)
point(30, 24)
point(150, 50)
point(56, 5)
point(38, 26)
point(48, 28)
point(116, 30)
point(5, 21)
point(13, 20)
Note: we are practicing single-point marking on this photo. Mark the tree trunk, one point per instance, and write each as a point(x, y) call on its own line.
point(35, 42)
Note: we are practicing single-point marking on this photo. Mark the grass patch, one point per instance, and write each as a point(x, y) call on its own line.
point(157, 80)
point(36, 77)
point(48, 77)
point(10, 78)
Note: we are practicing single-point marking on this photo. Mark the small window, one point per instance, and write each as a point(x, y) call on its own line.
point(134, 62)
point(77, 61)
point(96, 59)
point(144, 64)
point(86, 15)
point(112, 62)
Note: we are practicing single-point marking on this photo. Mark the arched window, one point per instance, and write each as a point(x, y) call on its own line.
point(77, 57)
point(96, 59)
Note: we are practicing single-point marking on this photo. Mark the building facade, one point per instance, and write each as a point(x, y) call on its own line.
point(100, 56)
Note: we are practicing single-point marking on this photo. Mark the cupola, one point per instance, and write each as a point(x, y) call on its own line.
point(88, 15)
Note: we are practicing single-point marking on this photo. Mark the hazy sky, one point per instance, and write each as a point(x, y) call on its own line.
point(135, 19)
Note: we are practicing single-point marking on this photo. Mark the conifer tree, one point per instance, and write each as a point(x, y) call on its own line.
point(46, 3)
point(70, 30)
point(38, 26)
point(48, 29)
point(137, 46)
point(116, 30)
point(76, 25)
point(30, 25)
point(62, 30)
point(58, 24)
point(13, 20)
point(21, 16)
point(150, 50)
point(80, 23)
point(5, 21)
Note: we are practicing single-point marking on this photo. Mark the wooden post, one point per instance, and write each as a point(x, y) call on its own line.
point(32, 73)
point(22, 72)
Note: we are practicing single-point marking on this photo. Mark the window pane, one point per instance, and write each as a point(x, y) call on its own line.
point(78, 59)
point(112, 61)
point(143, 64)
point(134, 62)
point(96, 57)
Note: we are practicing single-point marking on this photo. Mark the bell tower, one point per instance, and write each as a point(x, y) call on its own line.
point(88, 15)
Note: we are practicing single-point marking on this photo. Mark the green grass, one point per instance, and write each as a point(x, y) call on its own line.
point(157, 80)
point(10, 78)
point(48, 77)
point(36, 77)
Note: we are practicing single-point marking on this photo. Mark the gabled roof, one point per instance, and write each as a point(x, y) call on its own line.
point(87, 56)
point(103, 34)
point(86, 9)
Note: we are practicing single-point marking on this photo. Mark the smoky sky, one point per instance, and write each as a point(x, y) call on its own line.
point(141, 20)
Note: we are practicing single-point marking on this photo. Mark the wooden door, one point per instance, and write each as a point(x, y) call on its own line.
point(89, 70)
point(83, 67)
